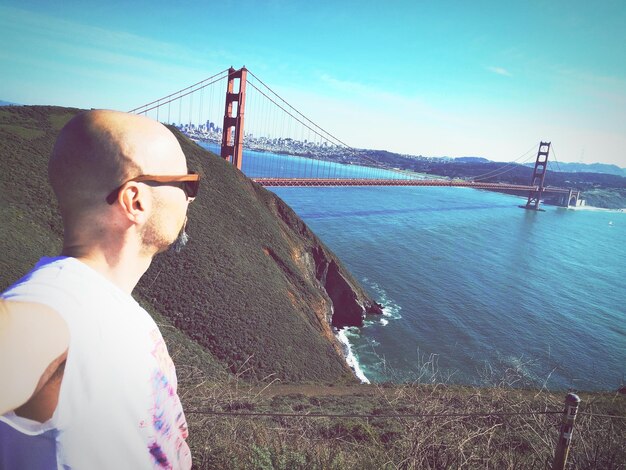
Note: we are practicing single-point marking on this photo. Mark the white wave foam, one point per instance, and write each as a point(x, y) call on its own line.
point(596, 209)
point(390, 308)
point(392, 311)
point(351, 359)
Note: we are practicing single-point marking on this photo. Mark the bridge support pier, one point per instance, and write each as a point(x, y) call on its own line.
point(539, 174)
point(573, 198)
point(232, 130)
point(568, 198)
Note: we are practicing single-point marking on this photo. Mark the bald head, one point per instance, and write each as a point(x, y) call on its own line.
point(98, 150)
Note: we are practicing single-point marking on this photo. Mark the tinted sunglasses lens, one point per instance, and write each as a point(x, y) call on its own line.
point(191, 188)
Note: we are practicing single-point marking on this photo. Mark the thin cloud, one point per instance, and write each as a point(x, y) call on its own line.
point(499, 71)
point(346, 85)
point(112, 68)
point(25, 31)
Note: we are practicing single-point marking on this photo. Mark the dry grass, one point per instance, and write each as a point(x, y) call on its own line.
point(488, 441)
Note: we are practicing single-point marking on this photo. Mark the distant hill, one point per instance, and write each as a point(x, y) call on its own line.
point(420, 163)
point(8, 103)
point(606, 189)
point(254, 292)
point(587, 168)
point(471, 160)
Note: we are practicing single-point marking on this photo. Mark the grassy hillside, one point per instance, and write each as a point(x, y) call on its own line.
point(605, 198)
point(254, 290)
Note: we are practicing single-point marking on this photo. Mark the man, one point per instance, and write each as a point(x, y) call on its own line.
point(86, 379)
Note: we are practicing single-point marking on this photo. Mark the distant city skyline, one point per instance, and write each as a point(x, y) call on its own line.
point(486, 79)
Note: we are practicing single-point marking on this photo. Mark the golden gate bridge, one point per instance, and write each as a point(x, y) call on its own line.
point(285, 148)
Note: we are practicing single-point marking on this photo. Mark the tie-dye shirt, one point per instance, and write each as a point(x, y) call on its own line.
point(118, 405)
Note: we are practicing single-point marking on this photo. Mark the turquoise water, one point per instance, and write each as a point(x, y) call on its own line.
point(475, 289)
point(486, 291)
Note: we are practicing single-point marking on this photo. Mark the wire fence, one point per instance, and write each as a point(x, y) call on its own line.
point(532, 428)
point(368, 416)
point(492, 414)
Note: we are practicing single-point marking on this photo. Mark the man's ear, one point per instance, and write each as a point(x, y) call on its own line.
point(135, 200)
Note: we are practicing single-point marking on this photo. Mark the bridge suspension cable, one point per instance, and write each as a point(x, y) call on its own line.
point(510, 166)
point(292, 116)
point(284, 147)
point(313, 151)
point(313, 127)
point(324, 132)
point(278, 138)
point(558, 166)
point(180, 93)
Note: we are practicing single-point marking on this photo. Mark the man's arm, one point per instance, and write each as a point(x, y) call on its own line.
point(33, 343)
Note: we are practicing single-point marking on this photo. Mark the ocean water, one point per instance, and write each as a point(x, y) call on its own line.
point(476, 290)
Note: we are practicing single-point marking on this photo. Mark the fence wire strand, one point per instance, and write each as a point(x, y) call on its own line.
point(370, 416)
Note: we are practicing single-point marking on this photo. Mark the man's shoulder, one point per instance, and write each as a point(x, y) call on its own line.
point(53, 282)
point(45, 269)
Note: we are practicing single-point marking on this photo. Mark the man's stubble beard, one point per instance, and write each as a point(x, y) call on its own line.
point(155, 241)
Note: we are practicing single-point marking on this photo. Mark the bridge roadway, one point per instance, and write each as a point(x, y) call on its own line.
point(317, 182)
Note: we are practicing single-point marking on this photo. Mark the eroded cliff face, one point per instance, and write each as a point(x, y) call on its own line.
point(348, 301)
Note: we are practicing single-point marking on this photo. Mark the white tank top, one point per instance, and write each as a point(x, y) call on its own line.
point(118, 406)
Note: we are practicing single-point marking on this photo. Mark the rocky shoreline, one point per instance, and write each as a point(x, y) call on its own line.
point(349, 302)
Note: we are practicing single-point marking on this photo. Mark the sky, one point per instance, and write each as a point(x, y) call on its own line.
point(432, 78)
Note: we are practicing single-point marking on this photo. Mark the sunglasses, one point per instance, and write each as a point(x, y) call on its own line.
point(189, 183)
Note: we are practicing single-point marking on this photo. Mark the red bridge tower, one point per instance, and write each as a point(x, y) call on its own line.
point(539, 174)
point(232, 141)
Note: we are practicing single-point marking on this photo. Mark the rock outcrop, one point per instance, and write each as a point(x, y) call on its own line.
point(350, 303)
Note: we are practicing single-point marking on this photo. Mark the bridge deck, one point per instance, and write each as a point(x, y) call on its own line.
point(317, 182)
